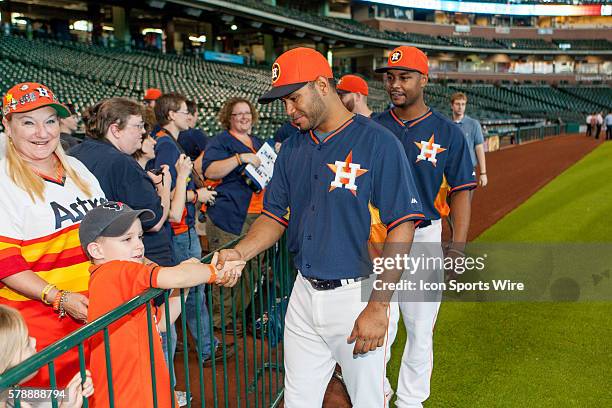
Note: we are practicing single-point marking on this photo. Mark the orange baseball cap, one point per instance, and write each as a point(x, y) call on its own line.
point(28, 96)
point(407, 59)
point(294, 69)
point(152, 94)
point(352, 84)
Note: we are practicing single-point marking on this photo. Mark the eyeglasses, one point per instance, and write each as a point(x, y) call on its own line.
point(242, 114)
point(183, 112)
point(140, 126)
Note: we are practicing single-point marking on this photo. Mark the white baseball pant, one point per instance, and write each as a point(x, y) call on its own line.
point(317, 326)
point(419, 318)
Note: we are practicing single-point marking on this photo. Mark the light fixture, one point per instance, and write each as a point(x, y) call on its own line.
point(200, 39)
point(152, 30)
point(233, 27)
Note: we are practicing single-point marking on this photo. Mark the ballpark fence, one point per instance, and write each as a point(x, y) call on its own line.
point(525, 134)
point(252, 377)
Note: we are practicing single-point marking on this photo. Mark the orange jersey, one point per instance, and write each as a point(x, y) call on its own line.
point(111, 285)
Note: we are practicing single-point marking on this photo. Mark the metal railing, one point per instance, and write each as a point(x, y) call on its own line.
point(252, 378)
point(526, 134)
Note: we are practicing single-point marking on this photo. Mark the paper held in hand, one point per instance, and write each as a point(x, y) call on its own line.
point(262, 174)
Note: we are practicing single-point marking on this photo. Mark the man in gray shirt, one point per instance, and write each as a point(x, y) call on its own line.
point(473, 135)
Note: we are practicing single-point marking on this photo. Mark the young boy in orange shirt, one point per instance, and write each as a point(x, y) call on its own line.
point(111, 235)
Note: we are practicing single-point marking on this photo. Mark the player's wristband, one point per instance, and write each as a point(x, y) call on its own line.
point(483, 173)
point(213, 274)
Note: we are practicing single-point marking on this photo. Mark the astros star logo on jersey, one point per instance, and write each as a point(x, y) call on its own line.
point(429, 150)
point(346, 173)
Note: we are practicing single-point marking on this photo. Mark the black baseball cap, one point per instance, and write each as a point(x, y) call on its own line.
point(111, 219)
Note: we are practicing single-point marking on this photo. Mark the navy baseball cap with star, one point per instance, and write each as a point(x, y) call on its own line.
point(111, 219)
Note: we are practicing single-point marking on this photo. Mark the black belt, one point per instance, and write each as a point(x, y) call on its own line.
point(329, 284)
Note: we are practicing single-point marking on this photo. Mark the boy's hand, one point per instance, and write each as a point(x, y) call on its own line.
point(231, 272)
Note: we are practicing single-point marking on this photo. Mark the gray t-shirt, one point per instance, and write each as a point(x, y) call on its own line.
point(473, 135)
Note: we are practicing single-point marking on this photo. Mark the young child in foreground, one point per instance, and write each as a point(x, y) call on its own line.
point(111, 235)
point(16, 346)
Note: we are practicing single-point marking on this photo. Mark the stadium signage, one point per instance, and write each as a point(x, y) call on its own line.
point(499, 8)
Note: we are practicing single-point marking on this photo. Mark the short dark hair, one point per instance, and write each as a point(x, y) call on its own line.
point(98, 118)
point(192, 107)
point(167, 103)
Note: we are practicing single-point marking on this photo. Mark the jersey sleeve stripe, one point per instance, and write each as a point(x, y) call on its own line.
point(280, 220)
point(409, 217)
point(463, 186)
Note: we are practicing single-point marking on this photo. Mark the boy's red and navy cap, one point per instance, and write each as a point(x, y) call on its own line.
point(29, 96)
point(111, 219)
point(406, 58)
point(294, 69)
point(352, 84)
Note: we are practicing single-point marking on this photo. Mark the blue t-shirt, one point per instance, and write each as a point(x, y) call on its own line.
point(193, 142)
point(122, 179)
point(167, 152)
point(287, 130)
point(435, 148)
point(233, 194)
point(473, 135)
point(334, 189)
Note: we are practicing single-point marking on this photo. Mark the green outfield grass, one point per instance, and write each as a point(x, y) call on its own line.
point(532, 354)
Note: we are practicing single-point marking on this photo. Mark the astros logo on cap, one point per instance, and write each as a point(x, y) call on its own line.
point(276, 72)
point(113, 205)
point(396, 56)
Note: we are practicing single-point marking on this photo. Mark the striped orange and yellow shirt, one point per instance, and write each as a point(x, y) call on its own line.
point(43, 236)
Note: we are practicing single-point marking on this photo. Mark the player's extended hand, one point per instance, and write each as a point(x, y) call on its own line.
point(76, 306)
point(483, 180)
point(370, 328)
point(233, 270)
point(77, 389)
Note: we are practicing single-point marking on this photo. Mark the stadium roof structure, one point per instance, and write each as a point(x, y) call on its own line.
point(285, 19)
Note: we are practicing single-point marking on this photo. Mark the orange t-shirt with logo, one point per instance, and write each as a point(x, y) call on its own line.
point(111, 285)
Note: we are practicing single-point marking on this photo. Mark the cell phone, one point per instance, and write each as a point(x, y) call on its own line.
point(157, 172)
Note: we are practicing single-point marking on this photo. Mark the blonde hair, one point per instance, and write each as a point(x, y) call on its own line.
point(26, 179)
point(12, 332)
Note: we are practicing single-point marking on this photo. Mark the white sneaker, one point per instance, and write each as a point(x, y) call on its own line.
point(181, 398)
